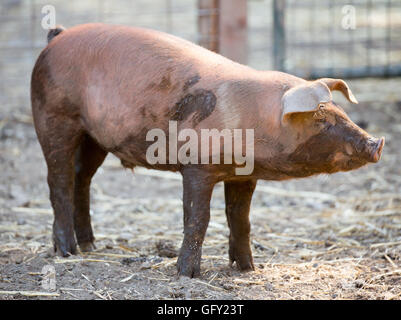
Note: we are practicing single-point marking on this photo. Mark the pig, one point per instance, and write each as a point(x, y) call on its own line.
point(98, 89)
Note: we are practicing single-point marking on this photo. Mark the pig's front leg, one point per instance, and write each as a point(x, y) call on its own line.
point(198, 189)
point(238, 195)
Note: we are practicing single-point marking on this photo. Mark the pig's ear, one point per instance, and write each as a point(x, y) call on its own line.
point(339, 85)
point(304, 98)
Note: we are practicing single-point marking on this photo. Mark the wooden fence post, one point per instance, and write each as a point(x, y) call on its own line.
point(279, 52)
point(222, 27)
point(208, 24)
point(233, 30)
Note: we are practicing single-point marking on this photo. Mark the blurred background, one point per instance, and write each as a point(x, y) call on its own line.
point(325, 237)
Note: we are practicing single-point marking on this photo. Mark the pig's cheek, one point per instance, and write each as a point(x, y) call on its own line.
point(339, 158)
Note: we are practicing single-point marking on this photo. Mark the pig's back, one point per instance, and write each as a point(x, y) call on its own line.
point(126, 80)
point(137, 50)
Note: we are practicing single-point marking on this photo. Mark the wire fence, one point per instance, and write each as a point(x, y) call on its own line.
point(352, 38)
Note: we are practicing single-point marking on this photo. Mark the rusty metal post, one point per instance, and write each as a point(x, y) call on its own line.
point(208, 24)
point(279, 54)
point(233, 30)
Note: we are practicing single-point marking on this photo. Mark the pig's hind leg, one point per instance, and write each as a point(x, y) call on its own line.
point(88, 159)
point(238, 195)
point(60, 136)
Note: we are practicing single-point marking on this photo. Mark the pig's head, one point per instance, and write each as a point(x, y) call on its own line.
point(322, 137)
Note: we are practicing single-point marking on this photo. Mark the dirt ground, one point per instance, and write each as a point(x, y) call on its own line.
point(326, 237)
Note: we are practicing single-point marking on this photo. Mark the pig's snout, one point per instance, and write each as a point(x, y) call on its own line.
point(376, 149)
point(371, 149)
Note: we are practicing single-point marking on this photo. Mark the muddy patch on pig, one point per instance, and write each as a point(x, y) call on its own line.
point(199, 105)
point(191, 82)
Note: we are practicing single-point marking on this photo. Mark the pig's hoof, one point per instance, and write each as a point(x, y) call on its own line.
point(186, 269)
point(65, 247)
point(246, 267)
point(189, 272)
point(88, 246)
point(244, 262)
point(65, 250)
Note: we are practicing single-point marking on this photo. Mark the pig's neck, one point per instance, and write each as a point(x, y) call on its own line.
point(273, 142)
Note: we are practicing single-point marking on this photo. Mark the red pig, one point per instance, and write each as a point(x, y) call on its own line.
point(98, 88)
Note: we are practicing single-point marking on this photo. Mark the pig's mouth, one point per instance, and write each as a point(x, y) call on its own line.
point(370, 153)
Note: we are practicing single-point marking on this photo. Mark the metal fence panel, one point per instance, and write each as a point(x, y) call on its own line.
point(337, 38)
